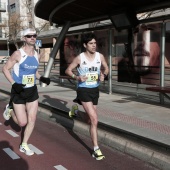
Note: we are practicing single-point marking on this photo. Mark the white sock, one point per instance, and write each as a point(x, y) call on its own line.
point(23, 144)
point(96, 147)
point(76, 112)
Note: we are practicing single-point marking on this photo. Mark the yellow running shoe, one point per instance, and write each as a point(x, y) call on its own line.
point(98, 155)
point(73, 113)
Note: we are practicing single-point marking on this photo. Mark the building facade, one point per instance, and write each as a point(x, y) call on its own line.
point(3, 27)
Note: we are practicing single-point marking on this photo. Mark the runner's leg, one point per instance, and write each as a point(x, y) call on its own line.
point(91, 111)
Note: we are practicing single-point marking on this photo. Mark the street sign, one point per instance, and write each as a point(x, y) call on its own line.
point(38, 43)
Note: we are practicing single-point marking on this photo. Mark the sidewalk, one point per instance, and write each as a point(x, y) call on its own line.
point(128, 113)
point(149, 122)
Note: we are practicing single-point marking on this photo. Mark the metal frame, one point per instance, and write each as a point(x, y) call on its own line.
point(57, 8)
point(55, 50)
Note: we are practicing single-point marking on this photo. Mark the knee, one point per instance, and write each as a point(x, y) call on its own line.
point(94, 121)
point(22, 124)
point(32, 119)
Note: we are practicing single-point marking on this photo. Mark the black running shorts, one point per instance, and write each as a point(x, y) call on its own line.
point(28, 95)
point(88, 94)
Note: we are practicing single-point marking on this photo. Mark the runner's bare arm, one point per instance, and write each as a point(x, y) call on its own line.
point(104, 65)
point(104, 68)
point(15, 57)
point(73, 65)
point(37, 72)
point(38, 75)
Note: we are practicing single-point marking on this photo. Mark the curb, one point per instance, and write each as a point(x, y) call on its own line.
point(156, 156)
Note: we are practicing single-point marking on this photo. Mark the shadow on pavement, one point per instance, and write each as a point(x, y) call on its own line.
point(13, 125)
point(61, 104)
point(7, 162)
point(75, 136)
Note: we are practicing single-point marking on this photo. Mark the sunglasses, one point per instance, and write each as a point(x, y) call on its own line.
point(29, 36)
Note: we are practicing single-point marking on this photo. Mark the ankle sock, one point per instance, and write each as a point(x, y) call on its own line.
point(96, 147)
point(23, 144)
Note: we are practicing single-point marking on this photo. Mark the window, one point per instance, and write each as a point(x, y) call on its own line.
point(30, 24)
point(12, 8)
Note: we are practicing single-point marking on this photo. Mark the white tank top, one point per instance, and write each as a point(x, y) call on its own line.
point(91, 69)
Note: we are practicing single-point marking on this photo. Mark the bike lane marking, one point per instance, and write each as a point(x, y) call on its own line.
point(10, 153)
point(12, 133)
point(59, 167)
point(36, 150)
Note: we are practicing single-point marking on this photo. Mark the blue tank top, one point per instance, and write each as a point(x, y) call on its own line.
point(24, 72)
point(91, 69)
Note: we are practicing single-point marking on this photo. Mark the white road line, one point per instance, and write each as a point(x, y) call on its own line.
point(36, 150)
point(12, 133)
point(59, 167)
point(0, 123)
point(12, 154)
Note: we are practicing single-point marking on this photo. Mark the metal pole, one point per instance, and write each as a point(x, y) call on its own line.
point(162, 55)
point(110, 61)
point(55, 50)
point(8, 47)
point(8, 28)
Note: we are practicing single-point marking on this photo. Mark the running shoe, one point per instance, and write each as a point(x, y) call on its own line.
point(25, 149)
point(7, 112)
point(98, 155)
point(73, 109)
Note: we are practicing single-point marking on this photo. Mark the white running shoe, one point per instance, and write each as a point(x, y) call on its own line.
point(7, 112)
point(25, 149)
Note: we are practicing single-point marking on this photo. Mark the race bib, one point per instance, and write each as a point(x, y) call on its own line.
point(28, 80)
point(92, 78)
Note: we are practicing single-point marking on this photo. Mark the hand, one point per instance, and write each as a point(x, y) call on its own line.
point(101, 77)
point(18, 87)
point(45, 80)
point(82, 78)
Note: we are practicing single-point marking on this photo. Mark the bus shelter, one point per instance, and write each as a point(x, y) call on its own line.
point(122, 13)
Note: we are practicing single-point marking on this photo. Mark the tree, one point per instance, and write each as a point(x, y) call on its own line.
point(152, 14)
point(15, 27)
point(34, 22)
point(20, 20)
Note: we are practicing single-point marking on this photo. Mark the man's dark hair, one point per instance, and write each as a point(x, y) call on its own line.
point(88, 37)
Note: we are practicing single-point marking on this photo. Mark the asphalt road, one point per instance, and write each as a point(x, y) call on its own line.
point(57, 147)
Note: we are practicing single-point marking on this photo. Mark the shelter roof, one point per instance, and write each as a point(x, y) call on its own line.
point(86, 11)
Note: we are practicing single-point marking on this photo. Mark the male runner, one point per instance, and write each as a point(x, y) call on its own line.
point(24, 93)
point(88, 66)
